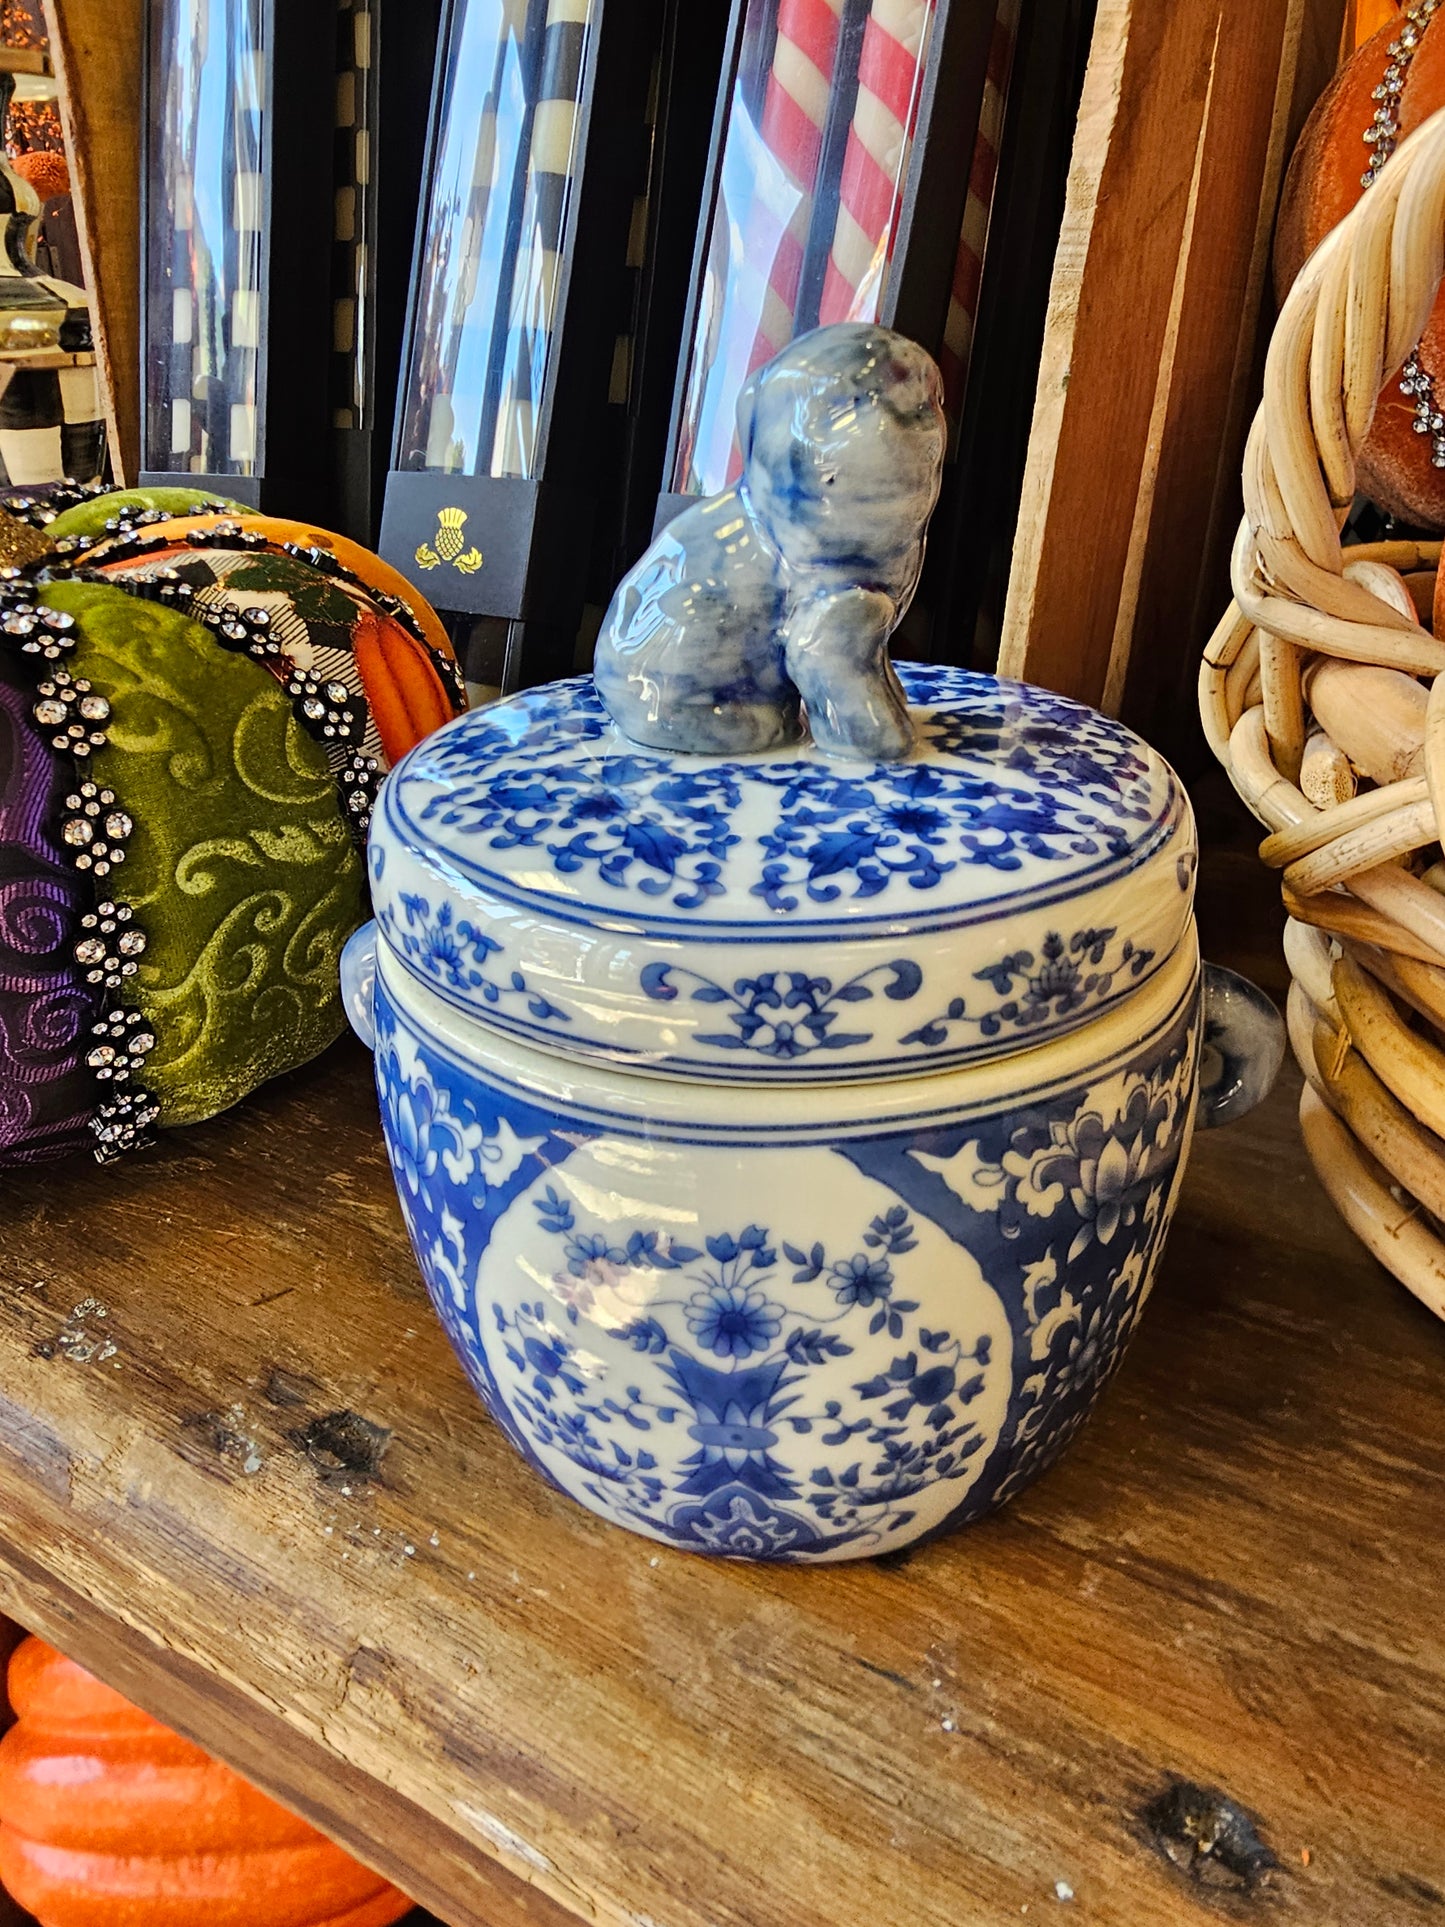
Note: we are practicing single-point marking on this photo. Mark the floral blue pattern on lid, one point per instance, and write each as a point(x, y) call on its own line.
point(783, 916)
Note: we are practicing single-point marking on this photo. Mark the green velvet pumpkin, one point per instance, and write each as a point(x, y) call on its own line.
point(239, 866)
point(195, 716)
point(92, 516)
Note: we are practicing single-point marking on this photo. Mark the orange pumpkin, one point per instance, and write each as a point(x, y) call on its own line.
point(46, 171)
point(1364, 18)
point(1396, 465)
point(108, 1819)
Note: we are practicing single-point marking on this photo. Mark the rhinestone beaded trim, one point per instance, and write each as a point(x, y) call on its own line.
point(94, 831)
point(1417, 387)
point(1383, 133)
point(39, 510)
point(1382, 137)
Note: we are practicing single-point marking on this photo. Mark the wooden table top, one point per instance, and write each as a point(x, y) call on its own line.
point(242, 1478)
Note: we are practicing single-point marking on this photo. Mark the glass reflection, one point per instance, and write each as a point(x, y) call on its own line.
point(207, 200)
point(808, 197)
point(504, 161)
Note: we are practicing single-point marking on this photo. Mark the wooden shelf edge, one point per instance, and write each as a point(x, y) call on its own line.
point(1149, 366)
point(311, 1780)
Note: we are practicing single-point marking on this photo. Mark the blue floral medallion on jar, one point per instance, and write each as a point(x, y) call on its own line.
point(801, 1350)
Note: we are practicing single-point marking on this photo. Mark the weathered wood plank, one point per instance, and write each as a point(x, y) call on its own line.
point(1127, 212)
point(306, 1776)
point(97, 48)
point(1271, 65)
point(525, 1716)
point(1150, 352)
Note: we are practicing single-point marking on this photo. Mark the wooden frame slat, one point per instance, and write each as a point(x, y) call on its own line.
point(1150, 352)
point(97, 47)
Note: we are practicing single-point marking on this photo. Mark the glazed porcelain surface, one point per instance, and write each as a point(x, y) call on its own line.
point(784, 917)
point(818, 1325)
point(788, 1125)
point(783, 590)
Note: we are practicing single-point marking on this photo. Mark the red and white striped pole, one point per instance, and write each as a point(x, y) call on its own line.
point(767, 227)
point(890, 71)
point(983, 179)
point(795, 110)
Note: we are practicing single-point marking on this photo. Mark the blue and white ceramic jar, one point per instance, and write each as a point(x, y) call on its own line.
point(789, 1144)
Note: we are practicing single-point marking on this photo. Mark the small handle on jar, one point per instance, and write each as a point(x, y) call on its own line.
point(1244, 1043)
point(358, 982)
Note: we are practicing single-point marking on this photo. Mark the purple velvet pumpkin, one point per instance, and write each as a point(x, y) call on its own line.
point(46, 1010)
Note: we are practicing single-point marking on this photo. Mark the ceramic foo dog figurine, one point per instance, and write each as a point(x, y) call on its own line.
point(783, 590)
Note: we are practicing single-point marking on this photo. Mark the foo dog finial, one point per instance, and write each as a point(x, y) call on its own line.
point(783, 590)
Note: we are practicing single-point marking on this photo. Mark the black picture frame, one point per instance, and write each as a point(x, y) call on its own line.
point(529, 537)
point(383, 99)
point(291, 219)
point(964, 587)
point(672, 177)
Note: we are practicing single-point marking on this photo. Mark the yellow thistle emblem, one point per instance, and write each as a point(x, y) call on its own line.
point(450, 545)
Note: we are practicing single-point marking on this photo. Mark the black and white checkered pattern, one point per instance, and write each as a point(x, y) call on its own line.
point(458, 320)
point(535, 272)
point(353, 265)
point(206, 309)
point(51, 426)
point(51, 423)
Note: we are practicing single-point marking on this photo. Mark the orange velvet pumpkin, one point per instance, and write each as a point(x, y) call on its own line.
point(1325, 180)
point(108, 1819)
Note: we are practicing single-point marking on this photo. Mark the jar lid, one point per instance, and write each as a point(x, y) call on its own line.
point(785, 917)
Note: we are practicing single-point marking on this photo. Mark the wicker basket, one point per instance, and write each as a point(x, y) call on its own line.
point(1323, 694)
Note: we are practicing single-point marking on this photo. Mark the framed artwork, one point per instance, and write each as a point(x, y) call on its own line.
point(520, 291)
point(837, 189)
point(385, 54)
point(996, 324)
point(236, 256)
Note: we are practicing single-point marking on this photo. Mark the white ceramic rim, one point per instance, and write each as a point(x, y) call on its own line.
point(634, 1104)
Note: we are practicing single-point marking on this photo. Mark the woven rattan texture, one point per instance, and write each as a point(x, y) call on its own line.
point(1323, 694)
